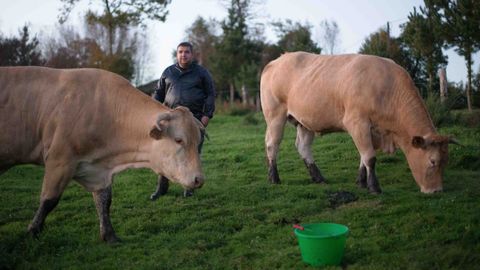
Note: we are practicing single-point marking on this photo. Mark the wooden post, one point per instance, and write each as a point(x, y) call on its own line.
point(232, 94)
point(244, 96)
point(442, 74)
point(257, 102)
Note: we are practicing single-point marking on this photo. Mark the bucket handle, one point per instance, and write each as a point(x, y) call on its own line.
point(298, 226)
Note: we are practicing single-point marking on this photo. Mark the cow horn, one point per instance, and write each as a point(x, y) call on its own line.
point(454, 141)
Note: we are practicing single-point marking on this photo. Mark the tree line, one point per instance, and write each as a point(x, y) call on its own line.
point(235, 49)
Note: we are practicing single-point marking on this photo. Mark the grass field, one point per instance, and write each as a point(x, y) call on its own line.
point(240, 221)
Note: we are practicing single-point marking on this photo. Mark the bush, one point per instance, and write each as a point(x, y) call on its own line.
point(239, 111)
point(466, 118)
point(236, 109)
point(439, 112)
point(250, 119)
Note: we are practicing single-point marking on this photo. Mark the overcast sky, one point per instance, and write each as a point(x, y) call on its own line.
point(357, 19)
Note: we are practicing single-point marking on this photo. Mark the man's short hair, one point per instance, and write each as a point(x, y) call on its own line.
point(186, 44)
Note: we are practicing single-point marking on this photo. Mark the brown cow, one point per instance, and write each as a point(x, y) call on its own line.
point(88, 125)
point(370, 97)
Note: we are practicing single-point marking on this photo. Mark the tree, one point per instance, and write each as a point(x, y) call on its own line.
point(119, 14)
point(202, 36)
point(234, 49)
point(422, 36)
point(295, 37)
point(121, 59)
point(329, 35)
point(22, 51)
point(476, 89)
point(382, 44)
point(269, 53)
point(72, 50)
point(68, 49)
point(141, 59)
point(460, 27)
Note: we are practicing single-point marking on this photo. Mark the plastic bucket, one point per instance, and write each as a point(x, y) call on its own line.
point(322, 243)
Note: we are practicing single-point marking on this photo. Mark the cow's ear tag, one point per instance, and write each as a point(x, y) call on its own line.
point(156, 133)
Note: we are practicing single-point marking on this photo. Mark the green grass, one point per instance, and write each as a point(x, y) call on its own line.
point(240, 221)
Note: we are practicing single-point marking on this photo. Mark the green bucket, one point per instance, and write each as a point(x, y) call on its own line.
point(322, 243)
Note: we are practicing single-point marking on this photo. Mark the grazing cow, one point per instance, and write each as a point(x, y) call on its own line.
point(371, 98)
point(88, 125)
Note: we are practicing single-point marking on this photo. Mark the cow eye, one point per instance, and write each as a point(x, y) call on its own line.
point(178, 140)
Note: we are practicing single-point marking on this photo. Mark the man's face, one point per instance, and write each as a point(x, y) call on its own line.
point(184, 56)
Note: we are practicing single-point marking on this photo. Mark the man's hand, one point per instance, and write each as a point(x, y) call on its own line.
point(205, 120)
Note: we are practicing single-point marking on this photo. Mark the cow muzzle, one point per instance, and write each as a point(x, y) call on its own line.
point(198, 181)
point(431, 190)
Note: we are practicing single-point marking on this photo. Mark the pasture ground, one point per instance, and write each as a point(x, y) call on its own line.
point(240, 221)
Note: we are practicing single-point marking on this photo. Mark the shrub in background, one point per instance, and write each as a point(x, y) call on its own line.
point(250, 119)
point(439, 112)
point(466, 118)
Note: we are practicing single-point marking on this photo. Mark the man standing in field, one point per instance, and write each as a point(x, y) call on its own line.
point(188, 84)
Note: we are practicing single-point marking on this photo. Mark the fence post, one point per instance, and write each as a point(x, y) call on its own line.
point(244, 96)
point(258, 106)
point(442, 74)
point(232, 94)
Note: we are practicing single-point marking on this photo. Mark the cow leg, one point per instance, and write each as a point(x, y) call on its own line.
point(304, 146)
point(103, 200)
point(46, 206)
point(273, 137)
point(359, 129)
point(362, 176)
point(372, 182)
point(188, 193)
point(162, 188)
point(55, 180)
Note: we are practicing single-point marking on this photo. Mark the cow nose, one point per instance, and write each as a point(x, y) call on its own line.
point(198, 182)
point(432, 190)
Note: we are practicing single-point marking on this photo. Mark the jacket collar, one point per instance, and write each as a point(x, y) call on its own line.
point(189, 68)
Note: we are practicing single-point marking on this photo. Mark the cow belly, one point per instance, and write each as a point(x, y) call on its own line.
point(322, 123)
point(321, 115)
point(92, 177)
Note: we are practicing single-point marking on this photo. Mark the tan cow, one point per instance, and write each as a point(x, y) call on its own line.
point(371, 98)
point(88, 125)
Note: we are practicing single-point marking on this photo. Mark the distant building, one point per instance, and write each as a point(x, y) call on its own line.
point(148, 88)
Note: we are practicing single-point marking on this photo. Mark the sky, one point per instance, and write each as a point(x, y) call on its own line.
point(356, 19)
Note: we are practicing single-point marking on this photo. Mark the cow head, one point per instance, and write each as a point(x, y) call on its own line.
point(176, 137)
point(427, 160)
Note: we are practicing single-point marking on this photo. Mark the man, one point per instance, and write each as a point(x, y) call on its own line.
point(188, 84)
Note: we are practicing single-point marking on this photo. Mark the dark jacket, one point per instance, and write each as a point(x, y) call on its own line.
point(192, 88)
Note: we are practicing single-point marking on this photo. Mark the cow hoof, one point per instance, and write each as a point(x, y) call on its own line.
point(187, 193)
point(155, 196)
point(112, 239)
point(34, 235)
point(274, 179)
point(34, 231)
point(361, 184)
point(374, 190)
point(273, 175)
point(319, 180)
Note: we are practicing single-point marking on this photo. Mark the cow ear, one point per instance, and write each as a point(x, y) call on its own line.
point(156, 133)
point(160, 125)
point(418, 142)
